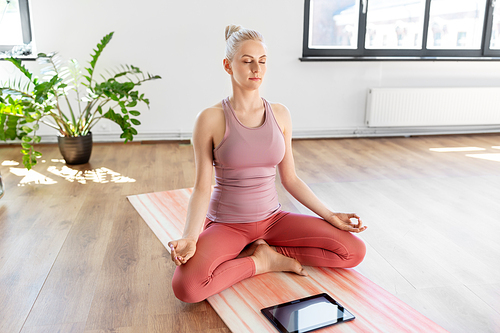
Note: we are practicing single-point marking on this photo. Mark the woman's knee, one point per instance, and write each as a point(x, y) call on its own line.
point(185, 287)
point(357, 252)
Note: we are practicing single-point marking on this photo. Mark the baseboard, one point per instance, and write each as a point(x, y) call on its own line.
point(115, 137)
point(348, 132)
point(360, 132)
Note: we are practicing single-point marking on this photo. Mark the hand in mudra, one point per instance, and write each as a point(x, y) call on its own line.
point(182, 250)
point(344, 221)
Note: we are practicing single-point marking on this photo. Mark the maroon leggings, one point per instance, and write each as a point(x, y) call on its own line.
point(310, 240)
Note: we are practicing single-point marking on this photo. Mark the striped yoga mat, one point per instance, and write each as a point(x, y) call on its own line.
point(376, 310)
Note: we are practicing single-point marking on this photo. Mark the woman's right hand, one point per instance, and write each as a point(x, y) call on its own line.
point(182, 250)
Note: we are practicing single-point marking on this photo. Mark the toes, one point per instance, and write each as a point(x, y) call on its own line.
point(299, 269)
point(260, 242)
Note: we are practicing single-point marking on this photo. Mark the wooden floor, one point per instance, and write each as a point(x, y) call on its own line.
point(76, 257)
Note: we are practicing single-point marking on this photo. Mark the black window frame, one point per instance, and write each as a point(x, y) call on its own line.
point(361, 53)
point(24, 11)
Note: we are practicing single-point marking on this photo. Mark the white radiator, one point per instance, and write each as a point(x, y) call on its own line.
point(387, 107)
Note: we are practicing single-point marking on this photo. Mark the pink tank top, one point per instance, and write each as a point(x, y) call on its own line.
point(245, 169)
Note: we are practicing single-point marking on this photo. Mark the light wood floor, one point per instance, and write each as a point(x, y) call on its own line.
point(76, 257)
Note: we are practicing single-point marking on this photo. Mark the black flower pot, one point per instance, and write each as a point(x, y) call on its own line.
point(75, 150)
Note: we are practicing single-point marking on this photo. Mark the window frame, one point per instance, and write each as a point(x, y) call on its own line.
point(361, 53)
point(24, 11)
point(488, 30)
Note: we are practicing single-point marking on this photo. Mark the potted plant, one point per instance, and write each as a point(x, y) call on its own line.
point(27, 102)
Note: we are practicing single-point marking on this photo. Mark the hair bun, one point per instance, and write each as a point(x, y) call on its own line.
point(230, 29)
point(234, 40)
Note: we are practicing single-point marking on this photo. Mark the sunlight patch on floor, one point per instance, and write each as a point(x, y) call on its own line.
point(452, 149)
point(31, 177)
point(10, 163)
point(490, 157)
point(100, 175)
point(495, 147)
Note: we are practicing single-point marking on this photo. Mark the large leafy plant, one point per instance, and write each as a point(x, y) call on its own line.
point(27, 101)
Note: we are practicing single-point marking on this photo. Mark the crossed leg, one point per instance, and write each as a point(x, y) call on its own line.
point(222, 260)
point(219, 261)
point(314, 242)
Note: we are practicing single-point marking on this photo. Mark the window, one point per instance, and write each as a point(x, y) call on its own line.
point(406, 29)
point(495, 28)
point(15, 28)
point(391, 25)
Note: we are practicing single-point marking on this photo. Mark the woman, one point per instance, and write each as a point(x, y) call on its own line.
point(245, 232)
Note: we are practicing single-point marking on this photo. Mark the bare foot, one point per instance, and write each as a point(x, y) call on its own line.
point(268, 260)
point(250, 248)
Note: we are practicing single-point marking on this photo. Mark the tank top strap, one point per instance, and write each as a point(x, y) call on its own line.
point(269, 111)
point(231, 120)
point(228, 120)
point(271, 119)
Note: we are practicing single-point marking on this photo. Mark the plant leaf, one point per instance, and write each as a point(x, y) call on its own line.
point(21, 67)
point(26, 129)
point(100, 47)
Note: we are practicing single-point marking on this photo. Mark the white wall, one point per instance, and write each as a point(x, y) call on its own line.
point(183, 41)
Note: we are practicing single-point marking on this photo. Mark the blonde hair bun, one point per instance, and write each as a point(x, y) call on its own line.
point(235, 35)
point(230, 29)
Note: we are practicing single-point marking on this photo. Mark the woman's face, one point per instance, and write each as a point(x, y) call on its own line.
point(248, 66)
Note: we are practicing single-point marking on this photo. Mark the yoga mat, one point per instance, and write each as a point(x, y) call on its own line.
point(376, 310)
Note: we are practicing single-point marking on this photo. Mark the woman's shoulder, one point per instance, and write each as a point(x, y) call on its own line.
point(212, 109)
point(211, 113)
point(280, 110)
point(278, 107)
point(282, 115)
point(210, 120)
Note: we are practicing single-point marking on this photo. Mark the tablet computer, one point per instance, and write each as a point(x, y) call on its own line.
point(307, 314)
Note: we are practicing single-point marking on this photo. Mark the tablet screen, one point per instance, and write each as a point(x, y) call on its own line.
point(307, 314)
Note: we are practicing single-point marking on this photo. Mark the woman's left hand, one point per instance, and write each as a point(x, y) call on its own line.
point(343, 221)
